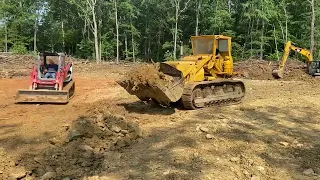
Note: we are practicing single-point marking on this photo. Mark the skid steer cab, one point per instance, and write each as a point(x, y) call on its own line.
point(51, 80)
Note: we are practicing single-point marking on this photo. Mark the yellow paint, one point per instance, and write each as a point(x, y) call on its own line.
point(203, 64)
point(286, 53)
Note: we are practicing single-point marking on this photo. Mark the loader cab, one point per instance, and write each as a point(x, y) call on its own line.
point(208, 44)
point(42, 62)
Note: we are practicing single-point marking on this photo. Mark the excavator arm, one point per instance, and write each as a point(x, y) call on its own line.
point(290, 47)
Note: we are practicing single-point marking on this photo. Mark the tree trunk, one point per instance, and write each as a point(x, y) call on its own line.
point(282, 31)
point(6, 37)
point(84, 30)
point(132, 43)
point(100, 49)
point(197, 17)
point(149, 46)
point(313, 20)
point(229, 5)
point(100, 41)
point(95, 34)
point(176, 34)
point(286, 16)
point(117, 29)
point(63, 35)
point(159, 43)
point(275, 41)
point(126, 45)
point(133, 50)
point(35, 36)
point(262, 41)
point(251, 40)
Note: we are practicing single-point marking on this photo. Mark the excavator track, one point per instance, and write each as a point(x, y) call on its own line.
point(212, 93)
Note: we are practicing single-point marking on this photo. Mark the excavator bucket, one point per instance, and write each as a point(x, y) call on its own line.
point(278, 74)
point(162, 94)
point(46, 96)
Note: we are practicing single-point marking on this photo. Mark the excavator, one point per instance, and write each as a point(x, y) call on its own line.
point(200, 80)
point(313, 67)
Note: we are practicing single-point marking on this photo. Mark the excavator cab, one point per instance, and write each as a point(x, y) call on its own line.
point(314, 68)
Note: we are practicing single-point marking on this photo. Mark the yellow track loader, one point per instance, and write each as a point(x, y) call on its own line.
point(200, 80)
point(313, 66)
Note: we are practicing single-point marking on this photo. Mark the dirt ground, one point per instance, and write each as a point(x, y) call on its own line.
point(104, 133)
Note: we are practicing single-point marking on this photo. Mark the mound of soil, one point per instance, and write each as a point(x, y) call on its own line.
point(262, 70)
point(83, 151)
point(147, 75)
point(15, 65)
point(8, 167)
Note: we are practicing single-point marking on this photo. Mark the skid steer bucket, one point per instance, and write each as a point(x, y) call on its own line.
point(162, 94)
point(42, 96)
point(46, 96)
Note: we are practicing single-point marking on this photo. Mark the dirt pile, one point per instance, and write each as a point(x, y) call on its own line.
point(262, 70)
point(15, 65)
point(147, 75)
point(83, 151)
point(9, 167)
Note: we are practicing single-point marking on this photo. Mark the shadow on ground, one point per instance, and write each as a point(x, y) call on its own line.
point(113, 147)
point(284, 140)
point(147, 108)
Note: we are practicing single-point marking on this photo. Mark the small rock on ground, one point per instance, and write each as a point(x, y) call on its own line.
point(49, 175)
point(74, 134)
point(284, 143)
point(38, 159)
point(115, 129)
point(308, 171)
point(86, 148)
point(209, 136)
point(53, 141)
point(255, 177)
point(18, 175)
point(204, 129)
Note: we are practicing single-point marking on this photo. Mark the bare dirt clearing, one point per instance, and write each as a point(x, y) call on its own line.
point(104, 133)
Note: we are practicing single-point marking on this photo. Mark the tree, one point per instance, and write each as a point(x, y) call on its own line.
point(151, 29)
point(178, 10)
point(88, 11)
point(313, 20)
point(117, 28)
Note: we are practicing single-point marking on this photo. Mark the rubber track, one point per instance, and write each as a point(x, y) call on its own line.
point(187, 97)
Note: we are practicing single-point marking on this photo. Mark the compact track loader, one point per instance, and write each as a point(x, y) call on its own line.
point(44, 89)
point(200, 80)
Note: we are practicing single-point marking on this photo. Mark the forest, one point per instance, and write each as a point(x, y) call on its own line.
point(115, 30)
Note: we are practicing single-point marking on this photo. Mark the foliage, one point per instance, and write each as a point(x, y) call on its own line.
point(148, 29)
point(19, 48)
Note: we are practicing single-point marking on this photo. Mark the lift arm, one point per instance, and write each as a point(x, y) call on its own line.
point(290, 47)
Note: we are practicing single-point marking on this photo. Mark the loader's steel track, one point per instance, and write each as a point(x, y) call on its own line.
point(212, 93)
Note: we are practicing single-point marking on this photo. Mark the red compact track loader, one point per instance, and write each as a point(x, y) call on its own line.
point(47, 89)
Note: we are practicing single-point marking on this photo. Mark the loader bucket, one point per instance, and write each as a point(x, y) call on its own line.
point(278, 74)
point(42, 96)
point(162, 94)
point(46, 96)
